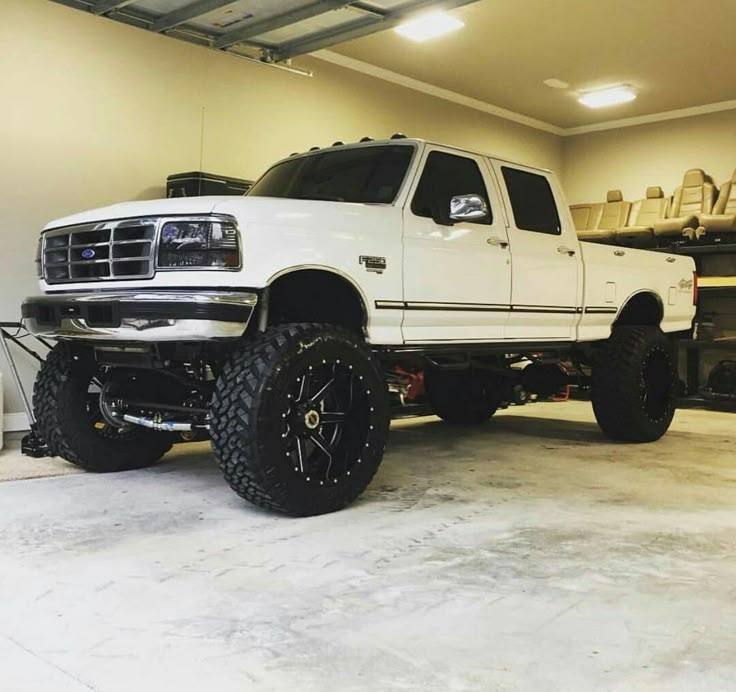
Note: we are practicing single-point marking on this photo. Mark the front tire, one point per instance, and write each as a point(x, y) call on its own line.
point(70, 422)
point(634, 385)
point(299, 419)
point(463, 396)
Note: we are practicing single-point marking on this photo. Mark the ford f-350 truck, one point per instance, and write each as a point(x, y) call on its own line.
point(276, 323)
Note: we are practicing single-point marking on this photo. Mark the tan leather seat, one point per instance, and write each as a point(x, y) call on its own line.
point(586, 216)
point(644, 215)
point(693, 198)
point(614, 214)
point(723, 218)
point(581, 215)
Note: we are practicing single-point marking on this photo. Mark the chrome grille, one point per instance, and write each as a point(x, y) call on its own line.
point(108, 251)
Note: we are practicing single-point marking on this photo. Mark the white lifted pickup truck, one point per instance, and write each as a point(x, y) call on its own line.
point(282, 324)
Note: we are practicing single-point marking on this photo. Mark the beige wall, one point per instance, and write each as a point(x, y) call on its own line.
point(95, 112)
point(634, 158)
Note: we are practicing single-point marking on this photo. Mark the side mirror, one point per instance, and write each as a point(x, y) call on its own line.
point(468, 208)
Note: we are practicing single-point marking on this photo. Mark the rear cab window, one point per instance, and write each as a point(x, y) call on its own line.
point(532, 201)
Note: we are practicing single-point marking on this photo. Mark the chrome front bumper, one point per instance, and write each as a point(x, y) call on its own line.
point(140, 316)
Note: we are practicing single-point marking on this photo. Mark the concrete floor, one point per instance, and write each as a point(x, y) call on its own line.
point(525, 554)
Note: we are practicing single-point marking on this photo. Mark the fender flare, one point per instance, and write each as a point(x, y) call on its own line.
point(364, 304)
point(648, 292)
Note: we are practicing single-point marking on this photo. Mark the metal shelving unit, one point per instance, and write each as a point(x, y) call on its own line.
point(695, 349)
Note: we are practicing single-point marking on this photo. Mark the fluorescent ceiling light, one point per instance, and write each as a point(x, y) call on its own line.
point(429, 26)
point(607, 97)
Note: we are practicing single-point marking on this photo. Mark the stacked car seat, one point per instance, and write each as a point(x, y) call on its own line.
point(693, 198)
point(723, 219)
point(602, 220)
point(696, 212)
point(645, 215)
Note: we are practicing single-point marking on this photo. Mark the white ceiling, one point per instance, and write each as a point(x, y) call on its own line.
point(679, 54)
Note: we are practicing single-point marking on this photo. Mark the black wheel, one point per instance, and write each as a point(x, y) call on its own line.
point(299, 419)
point(634, 385)
point(463, 396)
point(66, 405)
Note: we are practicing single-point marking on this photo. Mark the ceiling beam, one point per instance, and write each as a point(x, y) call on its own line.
point(362, 27)
point(105, 6)
point(187, 13)
point(278, 22)
point(76, 4)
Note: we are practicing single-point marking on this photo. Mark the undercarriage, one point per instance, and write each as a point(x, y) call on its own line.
point(168, 387)
point(298, 413)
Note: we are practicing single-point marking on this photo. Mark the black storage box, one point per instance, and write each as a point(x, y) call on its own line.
point(197, 184)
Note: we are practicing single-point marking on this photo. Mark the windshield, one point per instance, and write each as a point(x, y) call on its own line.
point(368, 175)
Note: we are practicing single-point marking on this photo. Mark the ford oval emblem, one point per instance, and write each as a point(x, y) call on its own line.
point(88, 253)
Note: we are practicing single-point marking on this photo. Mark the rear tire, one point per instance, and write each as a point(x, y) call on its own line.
point(299, 419)
point(634, 384)
point(69, 420)
point(463, 396)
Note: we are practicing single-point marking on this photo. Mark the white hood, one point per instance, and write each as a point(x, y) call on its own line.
point(152, 207)
point(280, 211)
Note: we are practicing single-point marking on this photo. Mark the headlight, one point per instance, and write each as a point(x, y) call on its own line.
point(204, 244)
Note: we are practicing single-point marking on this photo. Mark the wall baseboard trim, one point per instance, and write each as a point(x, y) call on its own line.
point(15, 422)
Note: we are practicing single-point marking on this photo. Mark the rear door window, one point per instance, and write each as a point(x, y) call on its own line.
point(532, 201)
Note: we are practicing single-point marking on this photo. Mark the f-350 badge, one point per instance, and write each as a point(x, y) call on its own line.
point(373, 264)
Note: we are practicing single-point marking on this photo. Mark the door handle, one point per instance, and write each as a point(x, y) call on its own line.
point(497, 241)
point(563, 250)
point(619, 253)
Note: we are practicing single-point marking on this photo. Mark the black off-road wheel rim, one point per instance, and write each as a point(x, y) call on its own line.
point(300, 417)
point(322, 425)
point(326, 423)
point(634, 384)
